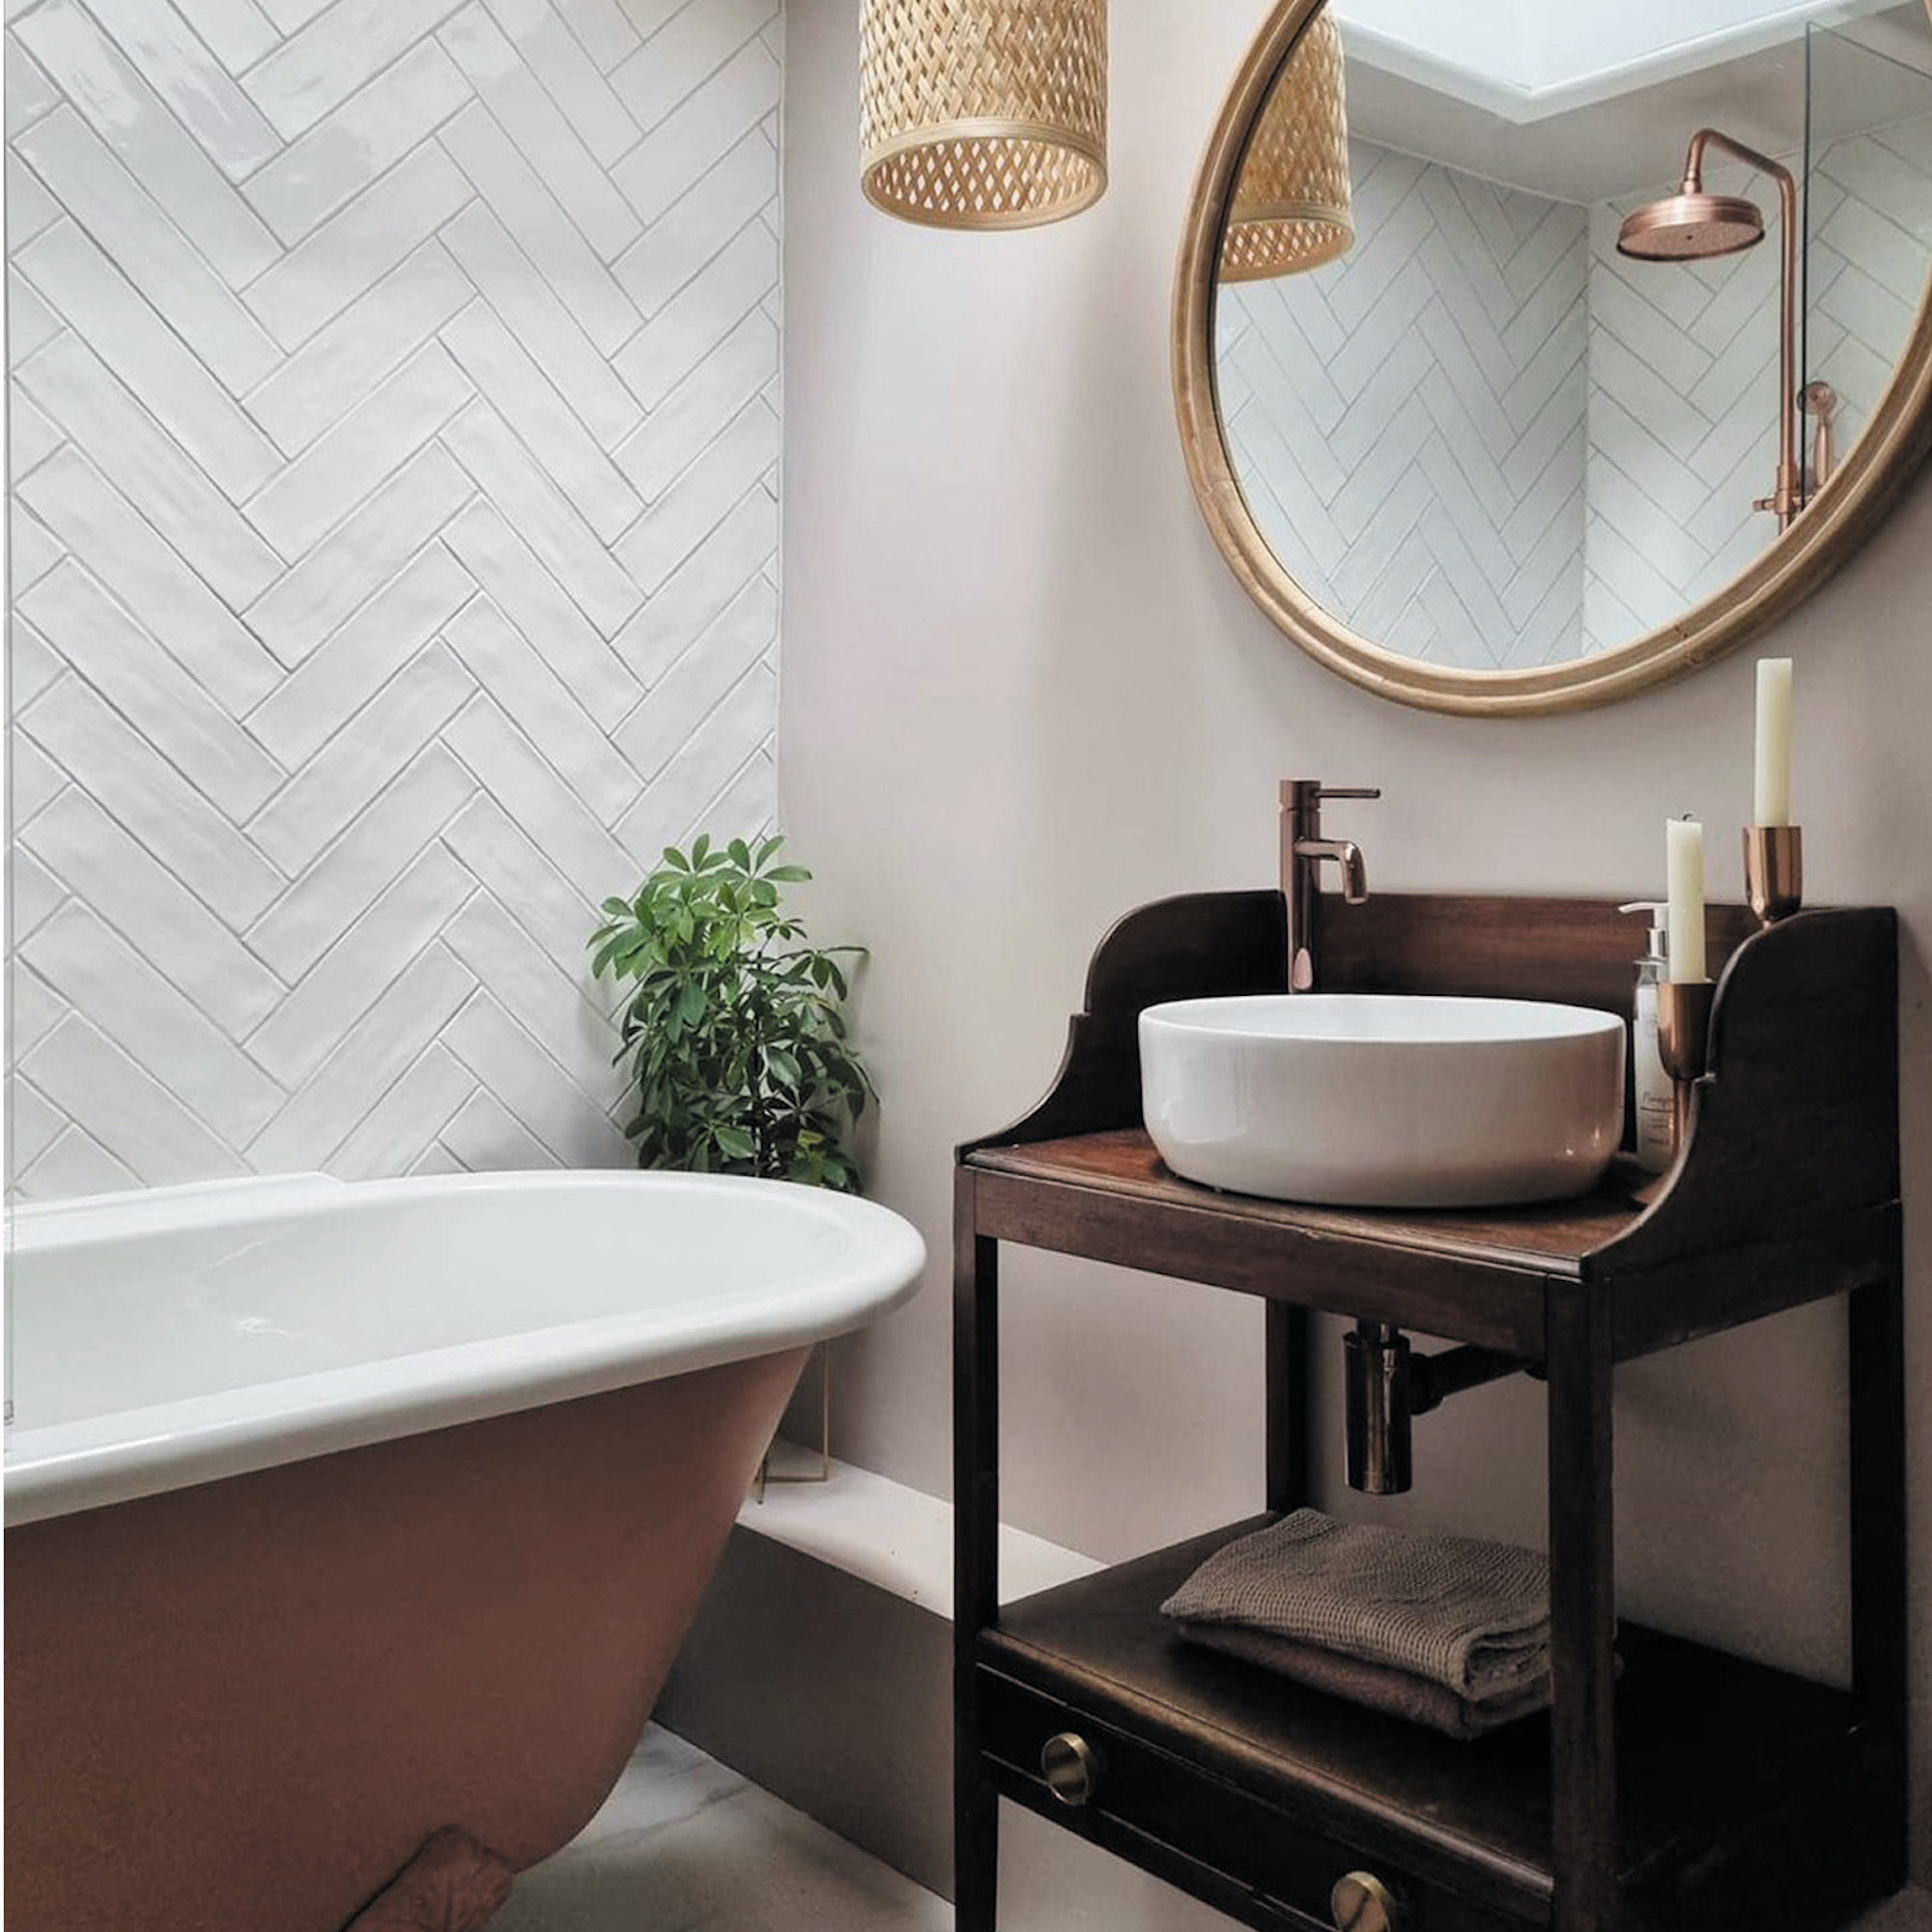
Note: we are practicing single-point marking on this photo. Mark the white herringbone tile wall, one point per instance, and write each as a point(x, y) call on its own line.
point(394, 446)
point(1684, 372)
point(1407, 424)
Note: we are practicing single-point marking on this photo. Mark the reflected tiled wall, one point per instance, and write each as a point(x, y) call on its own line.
point(1407, 424)
point(1684, 372)
point(394, 453)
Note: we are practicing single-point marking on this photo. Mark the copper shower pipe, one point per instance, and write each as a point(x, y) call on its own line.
point(1789, 498)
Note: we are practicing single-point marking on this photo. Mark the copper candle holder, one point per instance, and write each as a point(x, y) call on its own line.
point(1773, 870)
point(1682, 1040)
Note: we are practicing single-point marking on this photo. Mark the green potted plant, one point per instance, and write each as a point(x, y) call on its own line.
point(732, 1029)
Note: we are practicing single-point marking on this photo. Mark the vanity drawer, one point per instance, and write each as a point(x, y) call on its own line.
point(1249, 1858)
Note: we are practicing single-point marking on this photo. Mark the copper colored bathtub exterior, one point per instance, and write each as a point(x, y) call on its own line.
point(239, 1707)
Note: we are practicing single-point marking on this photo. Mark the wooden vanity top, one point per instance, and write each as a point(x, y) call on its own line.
point(1782, 1195)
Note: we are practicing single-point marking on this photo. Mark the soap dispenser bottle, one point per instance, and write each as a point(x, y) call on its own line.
point(1656, 1099)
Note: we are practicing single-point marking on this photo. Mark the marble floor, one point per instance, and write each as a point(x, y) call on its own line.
point(683, 1844)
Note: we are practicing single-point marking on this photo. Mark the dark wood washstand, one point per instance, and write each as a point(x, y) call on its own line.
point(1699, 1790)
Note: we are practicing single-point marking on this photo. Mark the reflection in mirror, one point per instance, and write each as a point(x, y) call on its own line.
point(1487, 436)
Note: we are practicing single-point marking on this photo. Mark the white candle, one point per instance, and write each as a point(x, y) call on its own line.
point(1773, 742)
point(1684, 888)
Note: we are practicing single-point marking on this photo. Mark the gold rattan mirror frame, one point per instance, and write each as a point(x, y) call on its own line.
point(1842, 514)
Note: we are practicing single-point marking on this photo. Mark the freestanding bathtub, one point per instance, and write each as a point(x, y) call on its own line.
point(337, 1514)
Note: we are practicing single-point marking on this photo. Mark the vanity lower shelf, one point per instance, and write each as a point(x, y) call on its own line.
point(1731, 1775)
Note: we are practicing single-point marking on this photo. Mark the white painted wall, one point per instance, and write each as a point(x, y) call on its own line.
point(1023, 693)
point(394, 456)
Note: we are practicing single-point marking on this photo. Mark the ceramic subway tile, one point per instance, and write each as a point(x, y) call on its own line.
point(548, 1003)
point(330, 55)
point(32, 549)
point(89, 964)
point(554, 914)
point(539, 318)
point(196, 87)
point(520, 1074)
point(33, 778)
point(32, 663)
point(602, 28)
point(149, 689)
point(532, 599)
point(142, 130)
point(542, 132)
point(568, 75)
point(368, 1062)
point(519, 198)
point(96, 524)
point(686, 692)
point(349, 979)
point(151, 470)
point(360, 556)
point(410, 1115)
point(299, 716)
point(543, 516)
point(352, 769)
point(30, 94)
point(507, 766)
point(520, 392)
point(76, 1164)
point(700, 131)
point(344, 364)
point(149, 798)
point(329, 480)
point(152, 910)
point(33, 1124)
point(694, 595)
point(701, 222)
point(291, 16)
point(503, 663)
point(35, 891)
point(86, 288)
point(30, 322)
point(378, 844)
point(436, 1159)
point(30, 208)
point(33, 1007)
point(685, 53)
point(237, 31)
point(691, 416)
point(734, 731)
point(485, 1137)
point(355, 247)
point(31, 437)
point(701, 500)
point(350, 148)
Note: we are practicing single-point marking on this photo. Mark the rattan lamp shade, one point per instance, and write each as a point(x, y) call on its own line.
point(982, 113)
point(1290, 205)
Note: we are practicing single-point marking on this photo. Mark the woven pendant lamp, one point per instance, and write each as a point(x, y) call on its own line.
point(982, 113)
point(1290, 205)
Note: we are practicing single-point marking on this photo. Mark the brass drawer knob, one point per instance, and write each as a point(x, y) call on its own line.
point(1071, 1767)
point(1360, 1902)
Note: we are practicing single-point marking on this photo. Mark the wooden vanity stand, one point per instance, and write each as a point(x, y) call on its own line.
point(1696, 1789)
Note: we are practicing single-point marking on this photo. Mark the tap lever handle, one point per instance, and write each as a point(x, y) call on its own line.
point(1350, 791)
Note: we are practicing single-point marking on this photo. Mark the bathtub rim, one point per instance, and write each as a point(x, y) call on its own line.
point(61, 1468)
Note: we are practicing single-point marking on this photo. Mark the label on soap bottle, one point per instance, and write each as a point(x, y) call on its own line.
point(1656, 1099)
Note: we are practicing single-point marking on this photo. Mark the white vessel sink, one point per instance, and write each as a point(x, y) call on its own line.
point(1384, 1100)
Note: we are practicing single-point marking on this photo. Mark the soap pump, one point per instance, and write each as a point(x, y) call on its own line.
point(1656, 1096)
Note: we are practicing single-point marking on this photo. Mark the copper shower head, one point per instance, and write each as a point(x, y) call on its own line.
point(1691, 226)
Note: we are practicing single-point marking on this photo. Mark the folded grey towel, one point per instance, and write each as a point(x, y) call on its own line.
point(1471, 1616)
point(1399, 1694)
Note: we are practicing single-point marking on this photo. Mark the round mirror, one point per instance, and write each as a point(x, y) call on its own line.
point(1526, 355)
